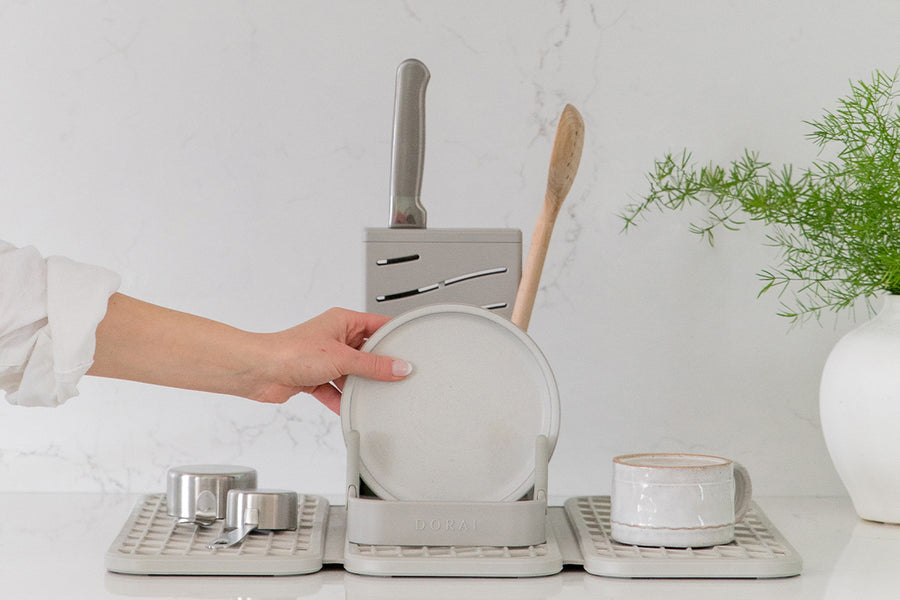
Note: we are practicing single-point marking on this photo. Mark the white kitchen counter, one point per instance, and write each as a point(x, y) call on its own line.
point(53, 546)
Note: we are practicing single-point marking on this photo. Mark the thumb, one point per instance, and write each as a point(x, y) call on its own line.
point(375, 366)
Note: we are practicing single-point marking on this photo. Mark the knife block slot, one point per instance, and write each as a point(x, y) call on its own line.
point(476, 275)
point(409, 268)
point(382, 262)
point(377, 522)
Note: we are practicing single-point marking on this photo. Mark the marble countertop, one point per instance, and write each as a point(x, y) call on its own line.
point(53, 546)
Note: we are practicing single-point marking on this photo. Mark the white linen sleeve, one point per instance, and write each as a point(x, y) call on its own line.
point(49, 312)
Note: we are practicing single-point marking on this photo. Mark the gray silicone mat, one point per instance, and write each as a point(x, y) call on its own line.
point(758, 551)
point(153, 543)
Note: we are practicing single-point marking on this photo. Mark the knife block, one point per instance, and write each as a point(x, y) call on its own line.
point(409, 268)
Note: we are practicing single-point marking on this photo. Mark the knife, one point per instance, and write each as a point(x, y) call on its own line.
point(408, 151)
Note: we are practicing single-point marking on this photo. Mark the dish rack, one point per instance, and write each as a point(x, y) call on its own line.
point(422, 538)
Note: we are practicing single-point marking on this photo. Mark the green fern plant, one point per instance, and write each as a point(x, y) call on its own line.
point(836, 223)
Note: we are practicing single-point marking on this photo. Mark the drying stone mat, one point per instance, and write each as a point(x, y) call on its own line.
point(153, 543)
point(758, 551)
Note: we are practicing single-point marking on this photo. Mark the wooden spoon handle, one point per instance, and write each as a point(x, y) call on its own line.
point(531, 273)
point(564, 161)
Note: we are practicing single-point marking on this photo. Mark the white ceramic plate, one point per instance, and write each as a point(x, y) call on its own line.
point(463, 425)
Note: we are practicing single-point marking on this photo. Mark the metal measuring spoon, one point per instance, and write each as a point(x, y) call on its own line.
point(249, 510)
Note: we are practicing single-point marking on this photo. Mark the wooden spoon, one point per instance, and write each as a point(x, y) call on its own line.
point(564, 162)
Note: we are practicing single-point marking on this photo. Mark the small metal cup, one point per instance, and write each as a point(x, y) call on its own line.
point(267, 509)
point(249, 510)
point(199, 493)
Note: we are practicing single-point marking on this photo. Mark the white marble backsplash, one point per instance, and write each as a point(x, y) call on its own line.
point(225, 156)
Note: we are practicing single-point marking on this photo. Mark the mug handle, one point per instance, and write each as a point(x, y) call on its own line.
point(743, 491)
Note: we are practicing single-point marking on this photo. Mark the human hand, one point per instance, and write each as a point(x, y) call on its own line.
point(315, 357)
point(144, 342)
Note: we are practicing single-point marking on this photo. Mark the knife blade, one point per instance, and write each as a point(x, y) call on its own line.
point(408, 149)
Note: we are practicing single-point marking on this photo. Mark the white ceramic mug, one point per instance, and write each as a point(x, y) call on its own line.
point(677, 500)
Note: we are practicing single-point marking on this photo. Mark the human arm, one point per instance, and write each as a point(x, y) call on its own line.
point(151, 344)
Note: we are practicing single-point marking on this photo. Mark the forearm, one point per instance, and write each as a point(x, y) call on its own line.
point(148, 343)
point(151, 344)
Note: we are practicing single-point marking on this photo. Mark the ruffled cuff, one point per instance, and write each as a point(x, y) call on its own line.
point(77, 298)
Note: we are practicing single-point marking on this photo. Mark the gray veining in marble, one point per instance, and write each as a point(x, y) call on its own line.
point(225, 156)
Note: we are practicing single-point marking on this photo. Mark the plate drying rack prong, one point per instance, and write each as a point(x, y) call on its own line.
point(352, 442)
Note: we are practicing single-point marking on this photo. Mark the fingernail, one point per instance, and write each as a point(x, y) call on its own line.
point(400, 368)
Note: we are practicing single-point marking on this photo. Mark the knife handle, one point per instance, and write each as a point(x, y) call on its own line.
point(408, 153)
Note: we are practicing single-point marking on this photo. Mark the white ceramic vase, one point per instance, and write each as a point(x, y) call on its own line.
point(859, 403)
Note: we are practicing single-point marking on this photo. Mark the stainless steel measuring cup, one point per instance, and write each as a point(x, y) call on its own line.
point(198, 493)
point(257, 509)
